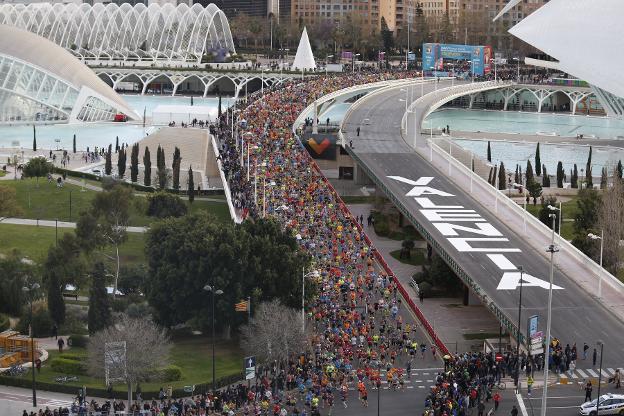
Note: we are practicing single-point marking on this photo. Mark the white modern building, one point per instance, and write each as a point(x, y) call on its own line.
point(109, 32)
point(593, 53)
point(40, 82)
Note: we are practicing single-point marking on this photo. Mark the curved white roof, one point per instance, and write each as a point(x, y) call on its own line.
point(585, 36)
point(126, 32)
point(28, 61)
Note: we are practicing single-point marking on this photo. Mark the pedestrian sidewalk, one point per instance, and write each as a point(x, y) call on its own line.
point(450, 319)
point(59, 224)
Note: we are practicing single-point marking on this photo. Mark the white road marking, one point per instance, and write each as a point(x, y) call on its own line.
point(581, 373)
point(592, 372)
point(523, 409)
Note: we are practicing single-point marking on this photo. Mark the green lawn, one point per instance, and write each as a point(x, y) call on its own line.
point(417, 257)
point(192, 355)
point(569, 209)
point(48, 202)
point(33, 242)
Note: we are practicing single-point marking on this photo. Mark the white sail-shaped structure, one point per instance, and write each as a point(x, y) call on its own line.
point(304, 59)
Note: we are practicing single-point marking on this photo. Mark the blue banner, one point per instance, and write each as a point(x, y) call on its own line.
point(478, 57)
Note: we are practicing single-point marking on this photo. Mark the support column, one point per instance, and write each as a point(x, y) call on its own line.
point(472, 98)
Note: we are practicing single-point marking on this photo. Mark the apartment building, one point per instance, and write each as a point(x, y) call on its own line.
point(369, 12)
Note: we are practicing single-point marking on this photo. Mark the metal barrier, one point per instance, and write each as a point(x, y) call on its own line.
point(226, 187)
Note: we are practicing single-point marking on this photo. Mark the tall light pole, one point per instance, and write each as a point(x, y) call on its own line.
point(213, 292)
point(30, 290)
point(600, 237)
point(354, 59)
point(517, 378)
point(313, 273)
point(601, 344)
point(552, 250)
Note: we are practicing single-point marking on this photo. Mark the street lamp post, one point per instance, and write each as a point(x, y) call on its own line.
point(326, 62)
point(552, 250)
point(354, 59)
point(601, 344)
point(213, 292)
point(30, 290)
point(517, 378)
point(600, 237)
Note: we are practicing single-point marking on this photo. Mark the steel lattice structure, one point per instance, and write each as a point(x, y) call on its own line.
point(127, 33)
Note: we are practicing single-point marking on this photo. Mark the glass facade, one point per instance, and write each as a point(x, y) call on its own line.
point(29, 94)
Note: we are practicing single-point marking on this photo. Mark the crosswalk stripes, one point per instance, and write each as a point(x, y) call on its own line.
point(580, 374)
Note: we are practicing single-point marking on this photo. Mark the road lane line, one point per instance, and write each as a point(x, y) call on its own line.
point(523, 409)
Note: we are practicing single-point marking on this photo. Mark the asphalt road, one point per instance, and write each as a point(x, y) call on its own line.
point(577, 318)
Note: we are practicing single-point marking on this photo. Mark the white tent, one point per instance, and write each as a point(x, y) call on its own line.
point(304, 58)
point(164, 114)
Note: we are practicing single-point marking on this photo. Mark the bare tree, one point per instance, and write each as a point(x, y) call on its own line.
point(274, 333)
point(146, 350)
point(611, 220)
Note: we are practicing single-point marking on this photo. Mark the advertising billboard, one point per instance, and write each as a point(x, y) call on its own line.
point(320, 146)
point(434, 55)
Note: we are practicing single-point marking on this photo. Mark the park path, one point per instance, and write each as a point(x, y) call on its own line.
point(60, 224)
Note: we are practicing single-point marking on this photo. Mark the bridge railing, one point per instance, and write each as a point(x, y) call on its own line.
point(226, 187)
point(531, 222)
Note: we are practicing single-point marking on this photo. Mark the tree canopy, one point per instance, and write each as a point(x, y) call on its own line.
point(37, 167)
point(256, 260)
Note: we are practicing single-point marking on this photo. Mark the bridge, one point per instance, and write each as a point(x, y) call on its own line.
point(196, 81)
point(480, 233)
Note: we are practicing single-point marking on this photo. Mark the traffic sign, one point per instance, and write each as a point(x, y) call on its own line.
point(250, 367)
point(498, 357)
point(537, 351)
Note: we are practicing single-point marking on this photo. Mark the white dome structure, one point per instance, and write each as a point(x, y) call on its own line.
point(126, 33)
point(42, 82)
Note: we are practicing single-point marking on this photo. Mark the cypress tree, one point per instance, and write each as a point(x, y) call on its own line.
point(121, 163)
point(108, 166)
point(538, 162)
point(74, 143)
point(489, 152)
point(529, 173)
point(134, 163)
point(502, 181)
point(56, 303)
point(588, 170)
point(116, 144)
point(603, 178)
point(175, 167)
point(161, 169)
point(517, 175)
point(574, 177)
point(34, 138)
point(99, 316)
point(494, 176)
point(560, 175)
point(147, 165)
point(545, 178)
point(191, 185)
point(620, 170)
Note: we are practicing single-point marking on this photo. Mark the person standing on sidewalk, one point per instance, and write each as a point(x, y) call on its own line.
point(529, 384)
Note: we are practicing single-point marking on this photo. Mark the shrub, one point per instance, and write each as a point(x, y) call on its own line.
point(163, 205)
point(42, 322)
point(137, 310)
point(72, 356)
point(408, 244)
point(63, 365)
point(119, 304)
point(171, 373)
point(4, 322)
point(425, 288)
point(79, 341)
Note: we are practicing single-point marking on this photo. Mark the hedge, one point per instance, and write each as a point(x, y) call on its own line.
point(137, 186)
point(76, 340)
point(25, 382)
point(171, 373)
point(63, 365)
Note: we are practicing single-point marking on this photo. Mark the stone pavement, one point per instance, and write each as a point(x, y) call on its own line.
point(451, 320)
